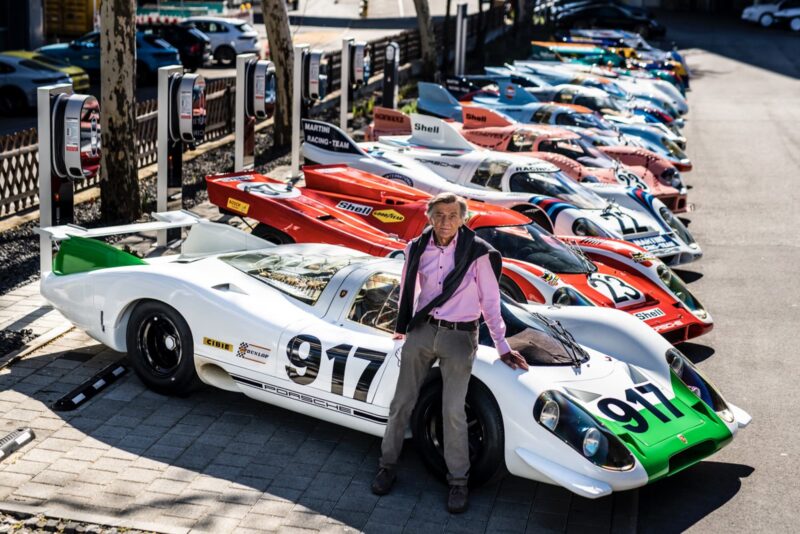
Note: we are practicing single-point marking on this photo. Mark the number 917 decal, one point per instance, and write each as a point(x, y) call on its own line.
point(633, 421)
point(305, 353)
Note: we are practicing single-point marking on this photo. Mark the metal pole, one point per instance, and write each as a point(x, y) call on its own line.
point(240, 119)
point(297, 97)
point(44, 98)
point(344, 85)
point(461, 17)
point(163, 142)
point(390, 75)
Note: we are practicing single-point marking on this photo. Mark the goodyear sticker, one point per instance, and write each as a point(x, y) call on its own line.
point(238, 205)
point(217, 344)
point(252, 352)
point(388, 216)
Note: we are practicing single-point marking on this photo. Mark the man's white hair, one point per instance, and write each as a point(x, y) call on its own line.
point(447, 198)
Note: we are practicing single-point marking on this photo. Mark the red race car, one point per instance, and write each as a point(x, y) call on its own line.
point(581, 161)
point(343, 206)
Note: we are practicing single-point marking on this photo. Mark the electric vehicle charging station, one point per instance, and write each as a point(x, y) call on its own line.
point(356, 68)
point(391, 75)
point(461, 39)
point(181, 123)
point(69, 151)
point(310, 83)
point(255, 100)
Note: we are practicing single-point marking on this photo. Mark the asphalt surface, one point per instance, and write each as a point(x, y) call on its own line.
point(744, 141)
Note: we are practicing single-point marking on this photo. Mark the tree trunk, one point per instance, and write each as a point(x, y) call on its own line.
point(119, 184)
point(281, 50)
point(427, 41)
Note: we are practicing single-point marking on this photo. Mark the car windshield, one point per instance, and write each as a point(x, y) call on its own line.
point(301, 276)
point(531, 244)
point(376, 303)
point(578, 150)
point(555, 184)
point(539, 340)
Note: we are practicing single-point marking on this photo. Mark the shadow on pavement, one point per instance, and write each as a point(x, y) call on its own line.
point(688, 276)
point(677, 503)
point(696, 352)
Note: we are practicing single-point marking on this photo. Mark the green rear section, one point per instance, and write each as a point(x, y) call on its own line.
point(660, 449)
point(80, 255)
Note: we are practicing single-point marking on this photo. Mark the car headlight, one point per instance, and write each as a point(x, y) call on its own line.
point(691, 377)
point(580, 430)
point(678, 288)
point(677, 226)
point(566, 296)
point(585, 227)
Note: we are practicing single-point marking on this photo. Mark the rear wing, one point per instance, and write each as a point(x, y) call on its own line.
point(480, 117)
point(431, 132)
point(330, 138)
point(386, 121)
point(164, 220)
point(437, 101)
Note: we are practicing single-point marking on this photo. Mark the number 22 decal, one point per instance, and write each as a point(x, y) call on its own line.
point(339, 354)
point(627, 223)
point(622, 412)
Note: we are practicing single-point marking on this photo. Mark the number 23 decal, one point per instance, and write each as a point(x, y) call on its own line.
point(622, 412)
point(614, 288)
point(339, 354)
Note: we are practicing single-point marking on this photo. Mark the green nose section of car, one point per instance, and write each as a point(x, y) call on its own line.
point(80, 255)
point(666, 448)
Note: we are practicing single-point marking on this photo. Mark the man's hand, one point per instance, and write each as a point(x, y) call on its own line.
point(515, 360)
point(398, 337)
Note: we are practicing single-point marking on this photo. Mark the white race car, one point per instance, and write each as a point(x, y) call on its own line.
point(607, 404)
point(536, 187)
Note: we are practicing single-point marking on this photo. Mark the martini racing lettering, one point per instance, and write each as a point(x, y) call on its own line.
point(341, 356)
point(361, 209)
point(623, 412)
point(327, 138)
point(658, 242)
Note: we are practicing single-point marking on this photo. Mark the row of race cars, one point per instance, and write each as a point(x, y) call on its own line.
point(299, 312)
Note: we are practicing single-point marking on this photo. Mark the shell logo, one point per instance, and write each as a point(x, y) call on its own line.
point(388, 216)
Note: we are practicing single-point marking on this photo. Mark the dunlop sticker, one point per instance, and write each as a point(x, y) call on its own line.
point(254, 353)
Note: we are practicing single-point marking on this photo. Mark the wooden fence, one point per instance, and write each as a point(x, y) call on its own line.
point(19, 152)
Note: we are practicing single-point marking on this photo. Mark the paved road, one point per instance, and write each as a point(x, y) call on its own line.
point(745, 143)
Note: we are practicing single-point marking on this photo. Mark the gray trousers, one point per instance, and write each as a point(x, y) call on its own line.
point(455, 350)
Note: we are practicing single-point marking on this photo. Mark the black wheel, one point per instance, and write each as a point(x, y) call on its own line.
point(12, 102)
point(766, 20)
point(486, 434)
point(273, 235)
point(794, 24)
point(509, 288)
point(537, 216)
point(225, 55)
point(160, 348)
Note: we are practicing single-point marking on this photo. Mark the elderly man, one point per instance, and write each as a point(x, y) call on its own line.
point(449, 279)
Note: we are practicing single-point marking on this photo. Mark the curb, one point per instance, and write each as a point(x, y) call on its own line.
point(87, 517)
point(36, 343)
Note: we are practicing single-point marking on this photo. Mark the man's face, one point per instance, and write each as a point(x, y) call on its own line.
point(446, 220)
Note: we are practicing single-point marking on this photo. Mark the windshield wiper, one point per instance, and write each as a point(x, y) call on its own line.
point(577, 354)
point(583, 257)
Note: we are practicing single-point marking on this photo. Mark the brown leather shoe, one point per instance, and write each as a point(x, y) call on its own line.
point(384, 480)
point(458, 500)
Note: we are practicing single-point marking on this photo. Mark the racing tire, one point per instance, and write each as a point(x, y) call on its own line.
point(273, 235)
point(161, 349)
point(225, 55)
point(510, 288)
point(12, 102)
point(794, 24)
point(766, 20)
point(486, 433)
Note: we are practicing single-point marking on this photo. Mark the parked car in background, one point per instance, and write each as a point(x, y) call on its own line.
point(229, 37)
point(764, 13)
point(79, 77)
point(610, 15)
point(789, 17)
point(19, 79)
point(152, 53)
point(193, 45)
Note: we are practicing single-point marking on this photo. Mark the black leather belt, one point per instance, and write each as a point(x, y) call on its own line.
point(467, 326)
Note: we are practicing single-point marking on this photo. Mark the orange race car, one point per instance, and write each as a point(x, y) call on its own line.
point(343, 206)
point(619, 165)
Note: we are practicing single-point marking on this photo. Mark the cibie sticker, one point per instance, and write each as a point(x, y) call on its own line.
point(217, 344)
point(254, 353)
point(389, 216)
point(361, 209)
point(650, 314)
point(238, 205)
